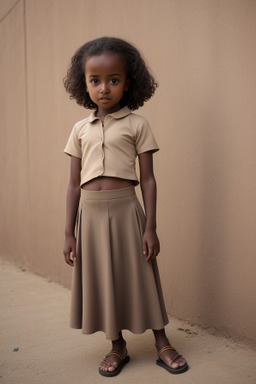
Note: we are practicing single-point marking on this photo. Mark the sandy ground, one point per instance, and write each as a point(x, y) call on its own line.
point(37, 346)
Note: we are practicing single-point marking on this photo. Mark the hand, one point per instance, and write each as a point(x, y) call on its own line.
point(150, 244)
point(70, 247)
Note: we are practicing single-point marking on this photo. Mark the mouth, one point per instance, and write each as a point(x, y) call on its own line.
point(105, 100)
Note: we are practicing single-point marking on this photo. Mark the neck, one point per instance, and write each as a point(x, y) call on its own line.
point(102, 113)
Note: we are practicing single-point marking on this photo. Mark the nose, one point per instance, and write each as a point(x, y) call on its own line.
point(104, 88)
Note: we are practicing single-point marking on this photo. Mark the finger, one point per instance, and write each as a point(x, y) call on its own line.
point(68, 260)
point(156, 252)
point(145, 248)
point(73, 255)
point(155, 255)
point(150, 253)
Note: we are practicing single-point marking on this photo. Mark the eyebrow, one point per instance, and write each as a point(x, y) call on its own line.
point(111, 74)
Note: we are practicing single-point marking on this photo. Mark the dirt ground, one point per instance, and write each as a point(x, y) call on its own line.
point(37, 346)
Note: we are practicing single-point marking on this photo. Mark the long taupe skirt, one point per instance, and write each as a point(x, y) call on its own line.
point(113, 286)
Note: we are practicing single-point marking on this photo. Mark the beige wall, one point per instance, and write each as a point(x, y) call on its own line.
point(203, 54)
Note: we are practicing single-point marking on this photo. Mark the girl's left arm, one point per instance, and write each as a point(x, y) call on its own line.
point(150, 241)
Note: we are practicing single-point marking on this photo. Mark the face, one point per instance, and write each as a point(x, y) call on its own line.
point(106, 81)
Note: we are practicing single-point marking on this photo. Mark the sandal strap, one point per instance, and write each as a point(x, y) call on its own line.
point(105, 361)
point(168, 348)
point(116, 353)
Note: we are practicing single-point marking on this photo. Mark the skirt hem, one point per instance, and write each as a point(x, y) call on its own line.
point(115, 337)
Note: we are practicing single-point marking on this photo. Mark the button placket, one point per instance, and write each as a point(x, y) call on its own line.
point(102, 146)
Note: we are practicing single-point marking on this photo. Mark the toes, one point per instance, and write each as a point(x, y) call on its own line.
point(104, 367)
point(182, 361)
point(108, 366)
point(174, 365)
point(112, 367)
point(178, 363)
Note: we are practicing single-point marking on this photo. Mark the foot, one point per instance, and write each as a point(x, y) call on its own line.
point(168, 357)
point(114, 360)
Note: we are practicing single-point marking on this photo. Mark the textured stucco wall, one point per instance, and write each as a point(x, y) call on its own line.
point(203, 54)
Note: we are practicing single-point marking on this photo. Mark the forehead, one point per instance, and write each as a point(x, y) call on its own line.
point(107, 62)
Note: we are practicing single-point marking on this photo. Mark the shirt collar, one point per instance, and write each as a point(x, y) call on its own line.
point(125, 111)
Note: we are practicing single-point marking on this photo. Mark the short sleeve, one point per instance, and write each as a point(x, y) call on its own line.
point(145, 140)
point(73, 147)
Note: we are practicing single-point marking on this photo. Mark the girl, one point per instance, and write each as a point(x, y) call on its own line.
point(116, 284)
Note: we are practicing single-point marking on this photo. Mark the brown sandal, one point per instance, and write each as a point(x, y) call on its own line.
point(123, 361)
point(162, 364)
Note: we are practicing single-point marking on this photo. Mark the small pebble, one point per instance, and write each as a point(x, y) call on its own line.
point(15, 349)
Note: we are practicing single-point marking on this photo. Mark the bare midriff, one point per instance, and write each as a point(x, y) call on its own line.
point(107, 183)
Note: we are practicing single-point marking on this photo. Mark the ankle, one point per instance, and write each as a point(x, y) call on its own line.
point(119, 344)
point(161, 339)
point(161, 343)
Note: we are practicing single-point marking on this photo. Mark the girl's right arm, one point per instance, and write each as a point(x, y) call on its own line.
point(73, 196)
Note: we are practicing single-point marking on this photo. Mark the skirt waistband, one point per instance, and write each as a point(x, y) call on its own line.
point(107, 194)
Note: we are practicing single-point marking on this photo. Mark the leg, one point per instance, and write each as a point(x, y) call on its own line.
point(116, 359)
point(170, 357)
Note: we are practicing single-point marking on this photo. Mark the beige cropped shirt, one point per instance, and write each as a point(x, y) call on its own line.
point(110, 148)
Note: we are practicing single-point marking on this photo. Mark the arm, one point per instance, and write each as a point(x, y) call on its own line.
point(73, 196)
point(150, 242)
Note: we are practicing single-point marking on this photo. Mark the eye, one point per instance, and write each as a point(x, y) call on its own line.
point(114, 81)
point(94, 81)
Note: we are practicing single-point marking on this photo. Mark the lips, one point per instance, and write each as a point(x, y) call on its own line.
point(105, 100)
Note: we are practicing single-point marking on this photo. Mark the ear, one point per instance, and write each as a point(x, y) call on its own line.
point(127, 84)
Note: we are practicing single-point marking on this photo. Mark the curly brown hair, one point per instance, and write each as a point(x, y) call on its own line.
point(142, 84)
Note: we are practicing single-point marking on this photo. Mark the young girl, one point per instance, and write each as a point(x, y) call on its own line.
point(116, 284)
